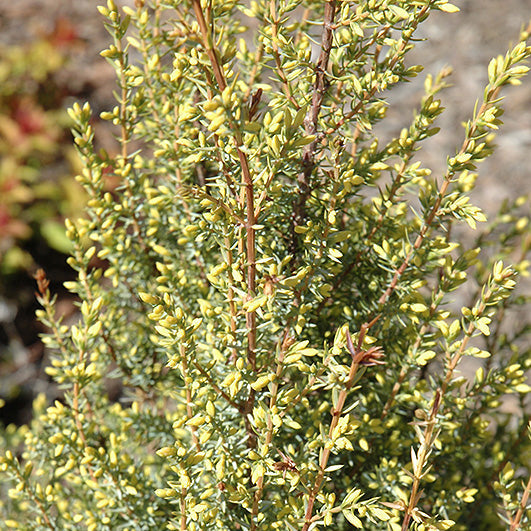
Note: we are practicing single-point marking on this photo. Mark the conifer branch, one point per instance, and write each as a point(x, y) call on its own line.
point(523, 506)
point(311, 120)
point(250, 221)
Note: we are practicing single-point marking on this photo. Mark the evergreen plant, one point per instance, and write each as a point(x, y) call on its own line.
point(279, 301)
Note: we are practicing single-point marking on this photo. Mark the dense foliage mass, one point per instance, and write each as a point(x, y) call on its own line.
point(280, 300)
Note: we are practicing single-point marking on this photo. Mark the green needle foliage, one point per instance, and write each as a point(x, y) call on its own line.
point(283, 302)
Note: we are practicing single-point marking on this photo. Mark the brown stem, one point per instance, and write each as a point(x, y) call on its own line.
point(183, 509)
point(44, 299)
point(247, 201)
point(428, 438)
point(310, 122)
point(336, 415)
point(397, 182)
point(420, 238)
point(216, 388)
point(34, 498)
point(515, 523)
point(189, 410)
point(435, 209)
point(124, 136)
point(269, 434)
point(250, 316)
point(367, 95)
point(422, 456)
point(207, 42)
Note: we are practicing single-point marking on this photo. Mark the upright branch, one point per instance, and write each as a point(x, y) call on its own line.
point(208, 44)
point(319, 89)
point(284, 346)
point(420, 458)
point(124, 137)
point(516, 521)
point(501, 279)
point(360, 357)
point(247, 204)
point(310, 122)
point(43, 296)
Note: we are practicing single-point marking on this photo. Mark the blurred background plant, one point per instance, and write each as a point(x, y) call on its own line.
point(37, 191)
point(33, 138)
